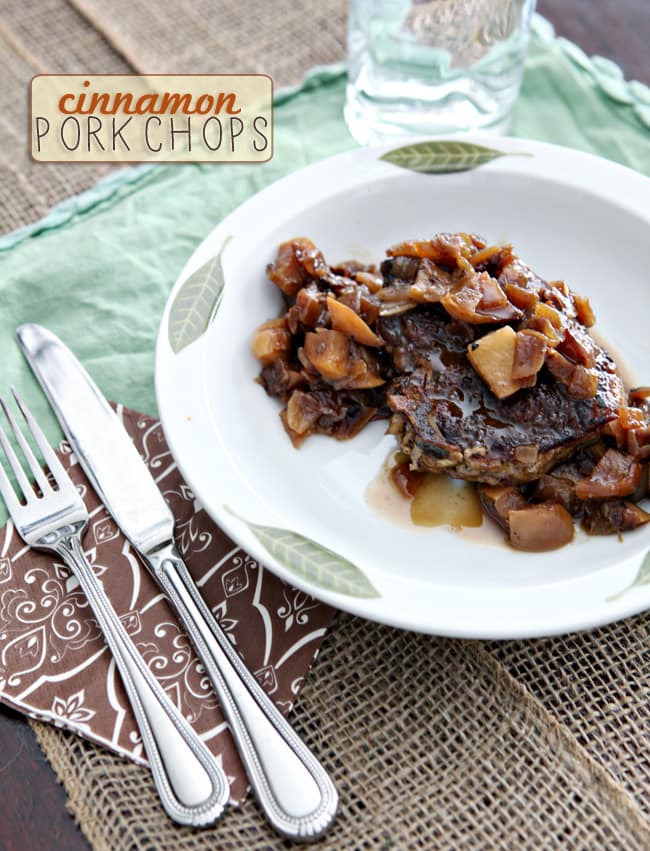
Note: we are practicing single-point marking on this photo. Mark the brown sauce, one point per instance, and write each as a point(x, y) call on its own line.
point(423, 499)
point(383, 496)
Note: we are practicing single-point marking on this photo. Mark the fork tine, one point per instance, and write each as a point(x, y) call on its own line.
point(26, 449)
point(14, 463)
point(57, 469)
point(7, 491)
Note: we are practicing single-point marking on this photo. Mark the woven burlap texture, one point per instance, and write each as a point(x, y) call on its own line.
point(228, 36)
point(598, 685)
point(433, 743)
point(35, 38)
point(55, 36)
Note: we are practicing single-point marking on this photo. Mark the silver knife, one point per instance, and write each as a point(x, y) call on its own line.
point(291, 786)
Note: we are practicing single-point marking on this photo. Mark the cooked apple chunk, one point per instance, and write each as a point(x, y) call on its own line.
point(616, 474)
point(272, 340)
point(329, 353)
point(540, 528)
point(493, 357)
point(340, 361)
point(344, 319)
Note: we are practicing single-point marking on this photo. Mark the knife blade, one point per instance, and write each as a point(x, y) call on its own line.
point(291, 786)
point(105, 451)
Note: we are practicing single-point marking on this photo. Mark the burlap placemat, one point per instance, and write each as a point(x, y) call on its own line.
point(431, 743)
point(207, 37)
point(597, 684)
point(35, 38)
point(83, 36)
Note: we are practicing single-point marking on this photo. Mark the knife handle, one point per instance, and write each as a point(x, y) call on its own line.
point(192, 786)
point(291, 786)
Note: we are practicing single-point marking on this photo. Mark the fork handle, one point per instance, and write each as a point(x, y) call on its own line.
point(291, 786)
point(192, 786)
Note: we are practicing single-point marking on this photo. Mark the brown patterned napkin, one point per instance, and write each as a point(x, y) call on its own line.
point(54, 665)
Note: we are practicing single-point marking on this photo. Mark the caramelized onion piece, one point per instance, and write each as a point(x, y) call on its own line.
point(616, 474)
point(560, 367)
point(309, 306)
point(357, 417)
point(578, 346)
point(583, 383)
point(359, 299)
point(519, 296)
point(372, 280)
point(279, 379)
point(639, 395)
point(338, 414)
point(546, 327)
point(363, 375)
point(448, 249)
point(297, 260)
point(431, 283)
point(540, 528)
point(528, 381)
point(638, 443)
point(641, 490)
point(478, 300)
point(394, 308)
point(492, 296)
point(545, 311)
point(346, 320)
point(555, 488)
point(485, 254)
point(562, 286)
point(405, 479)
point(530, 349)
point(394, 293)
point(632, 418)
point(584, 310)
point(611, 516)
point(614, 429)
point(302, 413)
point(499, 500)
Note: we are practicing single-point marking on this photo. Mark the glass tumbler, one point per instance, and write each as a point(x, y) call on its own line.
point(427, 67)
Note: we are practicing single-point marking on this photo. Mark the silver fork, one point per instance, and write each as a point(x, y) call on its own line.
point(192, 786)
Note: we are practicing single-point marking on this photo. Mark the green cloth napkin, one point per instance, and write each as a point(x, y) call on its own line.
point(98, 269)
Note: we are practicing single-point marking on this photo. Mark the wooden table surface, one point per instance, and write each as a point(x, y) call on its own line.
point(32, 805)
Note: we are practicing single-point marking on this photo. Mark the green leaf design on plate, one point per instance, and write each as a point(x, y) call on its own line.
point(311, 561)
point(443, 157)
point(196, 303)
point(642, 578)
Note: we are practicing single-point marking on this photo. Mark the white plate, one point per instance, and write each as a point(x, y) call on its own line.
point(569, 215)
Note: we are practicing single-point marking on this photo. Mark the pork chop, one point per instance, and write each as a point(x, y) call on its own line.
point(447, 420)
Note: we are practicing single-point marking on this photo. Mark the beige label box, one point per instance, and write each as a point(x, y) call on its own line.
point(156, 118)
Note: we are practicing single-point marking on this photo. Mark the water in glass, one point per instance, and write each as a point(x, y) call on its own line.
point(422, 67)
